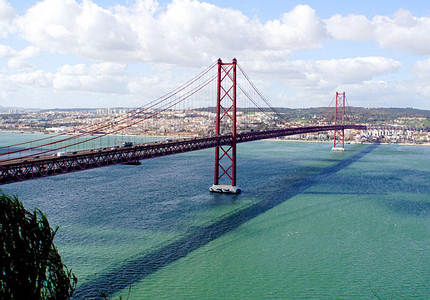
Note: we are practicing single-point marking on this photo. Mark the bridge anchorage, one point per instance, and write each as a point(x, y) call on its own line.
point(226, 116)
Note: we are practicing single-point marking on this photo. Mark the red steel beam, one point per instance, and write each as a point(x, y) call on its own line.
point(26, 169)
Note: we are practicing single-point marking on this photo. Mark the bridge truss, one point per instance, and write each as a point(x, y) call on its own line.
point(21, 170)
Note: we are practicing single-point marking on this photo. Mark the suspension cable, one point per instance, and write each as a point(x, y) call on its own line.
point(136, 111)
point(168, 105)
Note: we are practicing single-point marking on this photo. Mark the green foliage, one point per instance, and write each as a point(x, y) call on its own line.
point(356, 114)
point(31, 267)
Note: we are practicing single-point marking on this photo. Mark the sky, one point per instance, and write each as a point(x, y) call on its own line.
point(111, 53)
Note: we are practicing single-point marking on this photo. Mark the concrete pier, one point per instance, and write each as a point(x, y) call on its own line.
point(224, 188)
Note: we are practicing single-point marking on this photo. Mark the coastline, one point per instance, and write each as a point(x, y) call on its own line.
point(329, 142)
point(183, 136)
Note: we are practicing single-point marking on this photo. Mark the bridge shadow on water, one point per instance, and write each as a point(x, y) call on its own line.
point(410, 207)
point(140, 267)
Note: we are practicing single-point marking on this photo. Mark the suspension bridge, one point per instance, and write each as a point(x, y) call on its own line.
point(242, 114)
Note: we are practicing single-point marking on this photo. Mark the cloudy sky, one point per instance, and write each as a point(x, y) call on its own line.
point(106, 53)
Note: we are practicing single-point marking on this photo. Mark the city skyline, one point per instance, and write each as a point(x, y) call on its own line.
point(126, 53)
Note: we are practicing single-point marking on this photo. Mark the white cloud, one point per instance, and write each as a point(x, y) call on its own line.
point(381, 93)
point(354, 69)
point(190, 33)
point(355, 27)
point(81, 28)
point(313, 79)
point(6, 51)
point(298, 29)
point(422, 69)
point(143, 85)
point(101, 69)
point(329, 72)
point(37, 78)
point(304, 83)
point(372, 93)
point(18, 59)
point(6, 11)
point(403, 31)
point(7, 15)
point(187, 32)
point(100, 78)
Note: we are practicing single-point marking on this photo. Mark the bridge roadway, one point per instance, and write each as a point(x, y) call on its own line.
point(49, 165)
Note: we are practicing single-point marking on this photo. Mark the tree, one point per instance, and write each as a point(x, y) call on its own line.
point(31, 267)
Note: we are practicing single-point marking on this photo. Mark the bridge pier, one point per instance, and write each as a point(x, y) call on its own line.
point(224, 188)
point(226, 112)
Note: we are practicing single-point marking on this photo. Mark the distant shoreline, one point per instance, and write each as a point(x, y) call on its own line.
point(329, 142)
point(176, 136)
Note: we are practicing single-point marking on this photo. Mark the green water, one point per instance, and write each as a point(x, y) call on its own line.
point(353, 225)
point(362, 233)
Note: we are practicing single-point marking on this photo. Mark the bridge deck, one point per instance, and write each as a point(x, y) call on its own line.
point(49, 165)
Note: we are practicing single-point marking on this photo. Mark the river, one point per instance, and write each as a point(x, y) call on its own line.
point(309, 224)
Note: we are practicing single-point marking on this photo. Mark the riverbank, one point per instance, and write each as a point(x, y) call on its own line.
point(191, 136)
point(353, 143)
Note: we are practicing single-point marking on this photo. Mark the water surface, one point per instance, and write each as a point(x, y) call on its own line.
point(310, 224)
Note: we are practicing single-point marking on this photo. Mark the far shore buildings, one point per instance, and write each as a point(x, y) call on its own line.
point(192, 123)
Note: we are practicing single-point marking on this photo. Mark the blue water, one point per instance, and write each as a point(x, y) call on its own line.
point(310, 224)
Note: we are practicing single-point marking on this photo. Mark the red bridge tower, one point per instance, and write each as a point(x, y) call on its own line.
point(339, 116)
point(225, 155)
